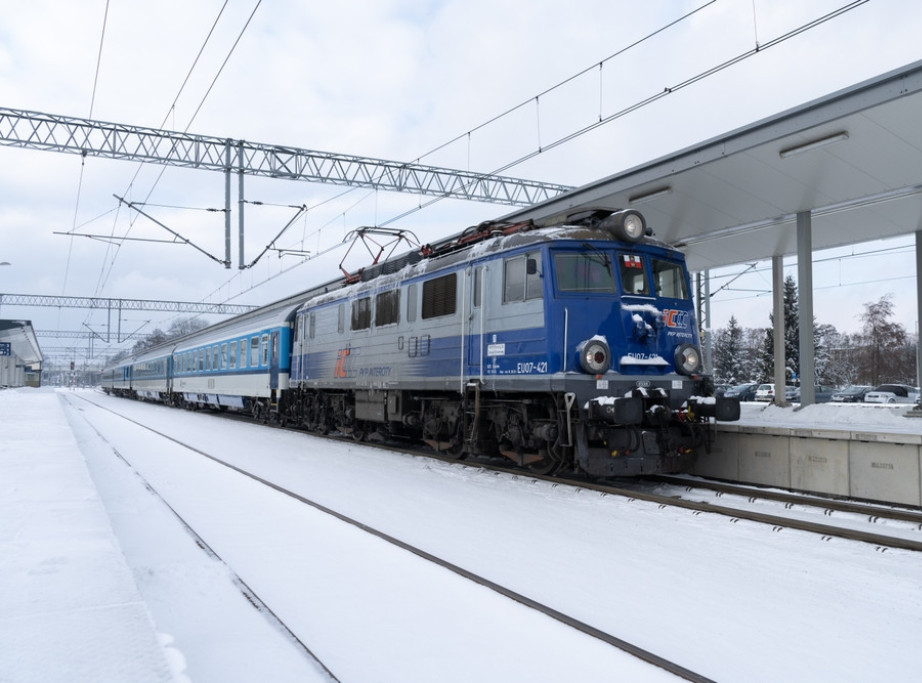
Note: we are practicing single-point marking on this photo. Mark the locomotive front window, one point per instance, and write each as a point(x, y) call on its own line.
point(669, 279)
point(632, 274)
point(584, 273)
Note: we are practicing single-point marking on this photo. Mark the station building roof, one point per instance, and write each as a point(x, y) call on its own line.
point(23, 342)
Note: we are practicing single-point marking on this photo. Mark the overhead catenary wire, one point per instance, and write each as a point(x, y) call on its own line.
point(604, 120)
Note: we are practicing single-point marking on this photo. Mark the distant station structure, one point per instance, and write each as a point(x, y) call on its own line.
point(20, 355)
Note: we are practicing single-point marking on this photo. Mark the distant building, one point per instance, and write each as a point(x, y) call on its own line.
point(20, 355)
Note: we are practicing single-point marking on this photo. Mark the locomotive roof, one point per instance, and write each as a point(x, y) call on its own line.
point(473, 243)
point(407, 266)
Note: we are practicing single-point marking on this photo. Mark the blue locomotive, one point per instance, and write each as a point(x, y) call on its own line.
point(564, 344)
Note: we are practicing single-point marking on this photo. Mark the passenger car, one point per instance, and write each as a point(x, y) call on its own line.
point(892, 393)
point(766, 392)
point(744, 392)
point(852, 394)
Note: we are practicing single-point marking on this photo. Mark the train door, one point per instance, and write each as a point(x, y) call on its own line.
point(274, 360)
point(475, 304)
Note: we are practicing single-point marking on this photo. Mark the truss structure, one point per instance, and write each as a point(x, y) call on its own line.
point(87, 137)
point(122, 304)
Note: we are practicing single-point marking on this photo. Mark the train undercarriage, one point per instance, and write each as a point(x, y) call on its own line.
point(543, 432)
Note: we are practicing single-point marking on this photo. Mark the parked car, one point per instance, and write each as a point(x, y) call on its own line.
point(852, 394)
point(766, 392)
point(822, 394)
point(892, 393)
point(744, 392)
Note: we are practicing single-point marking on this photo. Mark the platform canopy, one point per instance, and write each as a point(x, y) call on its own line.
point(22, 341)
point(853, 159)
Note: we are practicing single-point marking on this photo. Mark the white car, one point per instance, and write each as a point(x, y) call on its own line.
point(766, 392)
point(892, 393)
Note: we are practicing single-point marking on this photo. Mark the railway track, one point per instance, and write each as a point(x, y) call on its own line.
point(881, 522)
point(843, 519)
point(502, 590)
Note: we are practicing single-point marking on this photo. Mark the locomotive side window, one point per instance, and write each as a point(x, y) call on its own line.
point(387, 308)
point(361, 313)
point(440, 296)
point(669, 279)
point(633, 275)
point(521, 278)
point(584, 272)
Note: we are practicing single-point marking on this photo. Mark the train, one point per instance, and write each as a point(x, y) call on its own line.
point(569, 343)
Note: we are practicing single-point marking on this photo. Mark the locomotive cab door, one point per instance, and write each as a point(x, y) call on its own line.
point(475, 326)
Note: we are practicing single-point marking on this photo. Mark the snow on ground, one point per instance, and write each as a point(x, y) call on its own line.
point(844, 416)
point(732, 601)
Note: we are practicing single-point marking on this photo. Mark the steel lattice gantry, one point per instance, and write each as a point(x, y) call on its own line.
point(122, 304)
point(34, 130)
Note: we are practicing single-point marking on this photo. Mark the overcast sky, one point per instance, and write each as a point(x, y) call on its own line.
point(393, 79)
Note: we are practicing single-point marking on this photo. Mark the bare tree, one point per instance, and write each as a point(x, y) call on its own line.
point(883, 344)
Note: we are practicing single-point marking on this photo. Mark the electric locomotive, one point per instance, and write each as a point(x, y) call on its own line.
point(562, 344)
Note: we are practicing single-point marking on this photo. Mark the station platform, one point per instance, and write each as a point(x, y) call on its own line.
point(865, 451)
point(69, 606)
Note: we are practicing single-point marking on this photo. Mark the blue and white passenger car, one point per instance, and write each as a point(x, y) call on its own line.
point(241, 363)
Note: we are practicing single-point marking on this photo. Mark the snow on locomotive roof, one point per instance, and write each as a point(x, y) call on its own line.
point(473, 252)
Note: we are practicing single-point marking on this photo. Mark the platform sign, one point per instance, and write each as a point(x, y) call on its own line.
point(6, 349)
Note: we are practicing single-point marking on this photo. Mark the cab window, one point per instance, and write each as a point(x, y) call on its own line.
point(632, 275)
point(522, 278)
point(584, 272)
point(669, 279)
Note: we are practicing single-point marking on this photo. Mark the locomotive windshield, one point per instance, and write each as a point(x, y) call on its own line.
point(633, 276)
point(584, 272)
point(669, 279)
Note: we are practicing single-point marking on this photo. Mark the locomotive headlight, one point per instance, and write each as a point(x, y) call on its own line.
point(626, 225)
point(594, 356)
point(687, 359)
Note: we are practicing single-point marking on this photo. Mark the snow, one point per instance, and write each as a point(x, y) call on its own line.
point(99, 580)
point(844, 416)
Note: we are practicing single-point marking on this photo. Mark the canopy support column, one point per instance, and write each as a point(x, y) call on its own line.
point(805, 303)
point(778, 318)
point(918, 308)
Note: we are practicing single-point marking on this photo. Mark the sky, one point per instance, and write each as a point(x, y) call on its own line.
point(85, 595)
point(397, 80)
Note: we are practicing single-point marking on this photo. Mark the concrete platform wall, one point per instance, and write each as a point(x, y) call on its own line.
point(872, 466)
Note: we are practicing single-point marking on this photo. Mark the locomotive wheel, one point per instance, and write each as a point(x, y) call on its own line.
point(546, 465)
point(455, 451)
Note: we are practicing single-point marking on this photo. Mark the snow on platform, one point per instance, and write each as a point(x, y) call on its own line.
point(69, 606)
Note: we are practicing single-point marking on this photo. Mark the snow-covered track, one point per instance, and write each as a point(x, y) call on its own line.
point(258, 603)
point(784, 515)
point(505, 591)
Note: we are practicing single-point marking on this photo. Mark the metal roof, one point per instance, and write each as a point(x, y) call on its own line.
point(853, 158)
point(20, 335)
